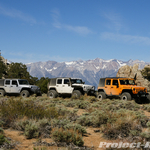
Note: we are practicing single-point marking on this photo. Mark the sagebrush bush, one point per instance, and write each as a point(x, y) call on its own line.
point(94, 119)
point(13, 109)
point(31, 130)
point(68, 136)
point(75, 127)
point(2, 139)
point(43, 125)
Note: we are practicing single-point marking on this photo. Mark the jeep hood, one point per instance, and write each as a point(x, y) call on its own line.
point(137, 88)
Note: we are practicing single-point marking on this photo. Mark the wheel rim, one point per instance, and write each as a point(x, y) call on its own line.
point(51, 95)
point(23, 94)
point(124, 98)
point(100, 97)
point(75, 95)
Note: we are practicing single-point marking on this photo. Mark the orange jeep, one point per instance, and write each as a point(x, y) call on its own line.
point(124, 88)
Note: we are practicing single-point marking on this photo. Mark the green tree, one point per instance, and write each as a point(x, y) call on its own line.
point(3, 68)
point(42, 83)
point(18, 70)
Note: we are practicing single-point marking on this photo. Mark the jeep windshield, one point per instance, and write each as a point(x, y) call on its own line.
point(127, 82)
point(23, 82)
point(77, 81)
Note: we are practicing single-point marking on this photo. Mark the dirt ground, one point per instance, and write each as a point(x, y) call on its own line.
point(91, 139)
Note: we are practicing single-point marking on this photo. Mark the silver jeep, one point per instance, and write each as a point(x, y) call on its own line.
point(18, 87)
point(67, 86)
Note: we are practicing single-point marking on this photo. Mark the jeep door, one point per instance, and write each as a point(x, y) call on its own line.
point(14, 87)
point(7, 86)
point(67, 86)
point(114, 87)
point(107, 86)
point(59, 85)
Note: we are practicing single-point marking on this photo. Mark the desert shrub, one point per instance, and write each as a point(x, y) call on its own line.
point(145, 135)
point(82, 104)
point(13, 109)
point(75, 127)
point(121, 128)
point(68, 136)
point(59, 122)
point(70, 103)
point(65, 113)
point(31, 130)
point(125, 123)
point(2, 139)
point(94, 119)
point(93, 99)
point(146, 107)
point(20, 124)
point(1, 130)
point(43, 125)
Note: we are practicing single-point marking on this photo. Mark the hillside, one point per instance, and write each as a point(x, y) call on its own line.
point(90, 71)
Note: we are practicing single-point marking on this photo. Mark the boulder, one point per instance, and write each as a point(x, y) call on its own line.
point(134, 72)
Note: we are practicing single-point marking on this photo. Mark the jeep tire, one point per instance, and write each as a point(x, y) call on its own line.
point(101, 96)
point(2, 93)
point(76, 94)
point(25, 93)
point(148, 98)
point(52, 94)
point(125, 96)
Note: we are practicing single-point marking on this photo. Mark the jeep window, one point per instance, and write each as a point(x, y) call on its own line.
point(14, 82)
point(66, 81)
point(127, 82)
point(23, 82)
point(115, 82)
point(78, 81)
point(108, 82)
point(59, 81)
point(7, 82)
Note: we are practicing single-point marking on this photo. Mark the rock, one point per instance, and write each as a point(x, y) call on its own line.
point(131, 72)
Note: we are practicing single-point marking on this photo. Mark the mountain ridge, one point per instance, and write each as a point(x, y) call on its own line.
point(89, 70)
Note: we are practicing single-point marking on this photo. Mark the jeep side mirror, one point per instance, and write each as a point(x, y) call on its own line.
point(68, 83)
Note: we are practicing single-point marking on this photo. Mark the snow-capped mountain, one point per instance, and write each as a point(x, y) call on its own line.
point(90, 71)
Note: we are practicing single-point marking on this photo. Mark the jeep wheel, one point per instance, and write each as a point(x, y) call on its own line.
point(101, 96)
point(25, 93)
point(2, 93)
point(52, 94)
point(76, 94)
point(125, 96)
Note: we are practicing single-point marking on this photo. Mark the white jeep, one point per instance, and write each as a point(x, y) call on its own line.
point(18, 87)
point(67, 86)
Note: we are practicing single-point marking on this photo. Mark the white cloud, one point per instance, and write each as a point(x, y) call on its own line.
point(78, 29)
point(114, 21)
point(81, 30)
point(13, 13)
point(126, 38)
point(55, 15)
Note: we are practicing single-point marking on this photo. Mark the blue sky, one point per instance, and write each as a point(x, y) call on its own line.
point(66, 30)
